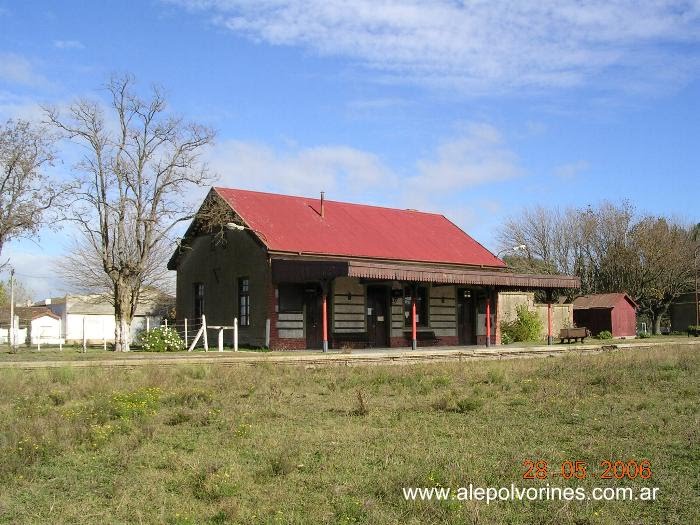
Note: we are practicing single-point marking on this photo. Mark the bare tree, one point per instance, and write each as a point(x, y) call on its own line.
point(22, 293)
point(139, 164)
point(695, 232)
point(27, 194)
point(81, 269)
point(611, 249)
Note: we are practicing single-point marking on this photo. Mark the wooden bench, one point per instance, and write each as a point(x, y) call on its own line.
point(422, 336)
point(574, 334)
point(351, 338)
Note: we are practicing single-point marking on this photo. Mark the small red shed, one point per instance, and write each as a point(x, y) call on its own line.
point(615, 312)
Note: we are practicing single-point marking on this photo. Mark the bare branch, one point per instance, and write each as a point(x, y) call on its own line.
point(135, 170)
point(611, 249)
point(29, 199)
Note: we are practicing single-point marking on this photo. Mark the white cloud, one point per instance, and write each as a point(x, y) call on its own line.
point(68, 44)
point(570, 170)
point(17, 69)
point(480, 156)
point(18, 107)
point(478, 46)
point(339, 170)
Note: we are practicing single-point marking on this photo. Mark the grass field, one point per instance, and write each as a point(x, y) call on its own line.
point(265, 444)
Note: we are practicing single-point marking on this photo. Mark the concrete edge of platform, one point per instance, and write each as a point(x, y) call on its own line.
point(358, 357)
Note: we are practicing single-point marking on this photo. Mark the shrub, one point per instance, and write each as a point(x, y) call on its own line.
point(605, 334)
point(450, 403)
point(468, 404)
point(361, 408)
point(644, 335)
point(161, 340)
point(282, 463)
point(527, 326)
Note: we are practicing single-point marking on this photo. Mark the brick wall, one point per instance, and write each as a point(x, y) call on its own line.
point(398, 342)
point(402, 342)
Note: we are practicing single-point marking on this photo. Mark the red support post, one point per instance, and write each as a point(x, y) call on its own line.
point(414, 338)
point(325, 321)
point(488, 319)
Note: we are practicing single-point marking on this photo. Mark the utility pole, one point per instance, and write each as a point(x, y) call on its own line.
point(697, 303)
point(11, 333)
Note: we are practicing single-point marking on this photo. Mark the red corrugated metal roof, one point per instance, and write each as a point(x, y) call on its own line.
point(602, 300)
point(294, 225)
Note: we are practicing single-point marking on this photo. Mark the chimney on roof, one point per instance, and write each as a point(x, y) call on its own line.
point(323, 193)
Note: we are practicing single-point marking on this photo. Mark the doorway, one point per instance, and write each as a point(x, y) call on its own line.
point(377, 316)
point(465, 317)
point(313, 321)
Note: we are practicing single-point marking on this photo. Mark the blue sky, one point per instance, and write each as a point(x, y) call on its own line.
point(474, 111)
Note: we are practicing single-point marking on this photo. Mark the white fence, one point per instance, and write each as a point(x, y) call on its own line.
point(36, 334)
point(196, 333)
point(88, 330)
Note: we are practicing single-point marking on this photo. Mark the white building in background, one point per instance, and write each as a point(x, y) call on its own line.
point(33, 325)
point(92, 316)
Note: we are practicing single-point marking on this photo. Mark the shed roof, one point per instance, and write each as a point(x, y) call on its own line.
point(294, 225)
point(602, 300)
point(28, 313)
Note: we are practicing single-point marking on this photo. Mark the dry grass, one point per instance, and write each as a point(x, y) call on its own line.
point(266, 444)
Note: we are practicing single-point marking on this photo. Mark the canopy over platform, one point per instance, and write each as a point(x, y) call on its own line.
point(300, 270)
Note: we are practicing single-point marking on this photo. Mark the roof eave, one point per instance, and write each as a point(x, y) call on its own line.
point(321, 255)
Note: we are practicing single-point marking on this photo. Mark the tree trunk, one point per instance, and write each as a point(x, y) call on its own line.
point(122, 332)
point(122, 318)
point(657, 315)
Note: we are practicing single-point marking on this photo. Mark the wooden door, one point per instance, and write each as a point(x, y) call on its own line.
point(377, 316)
point(465, 317)
point(313, 321)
